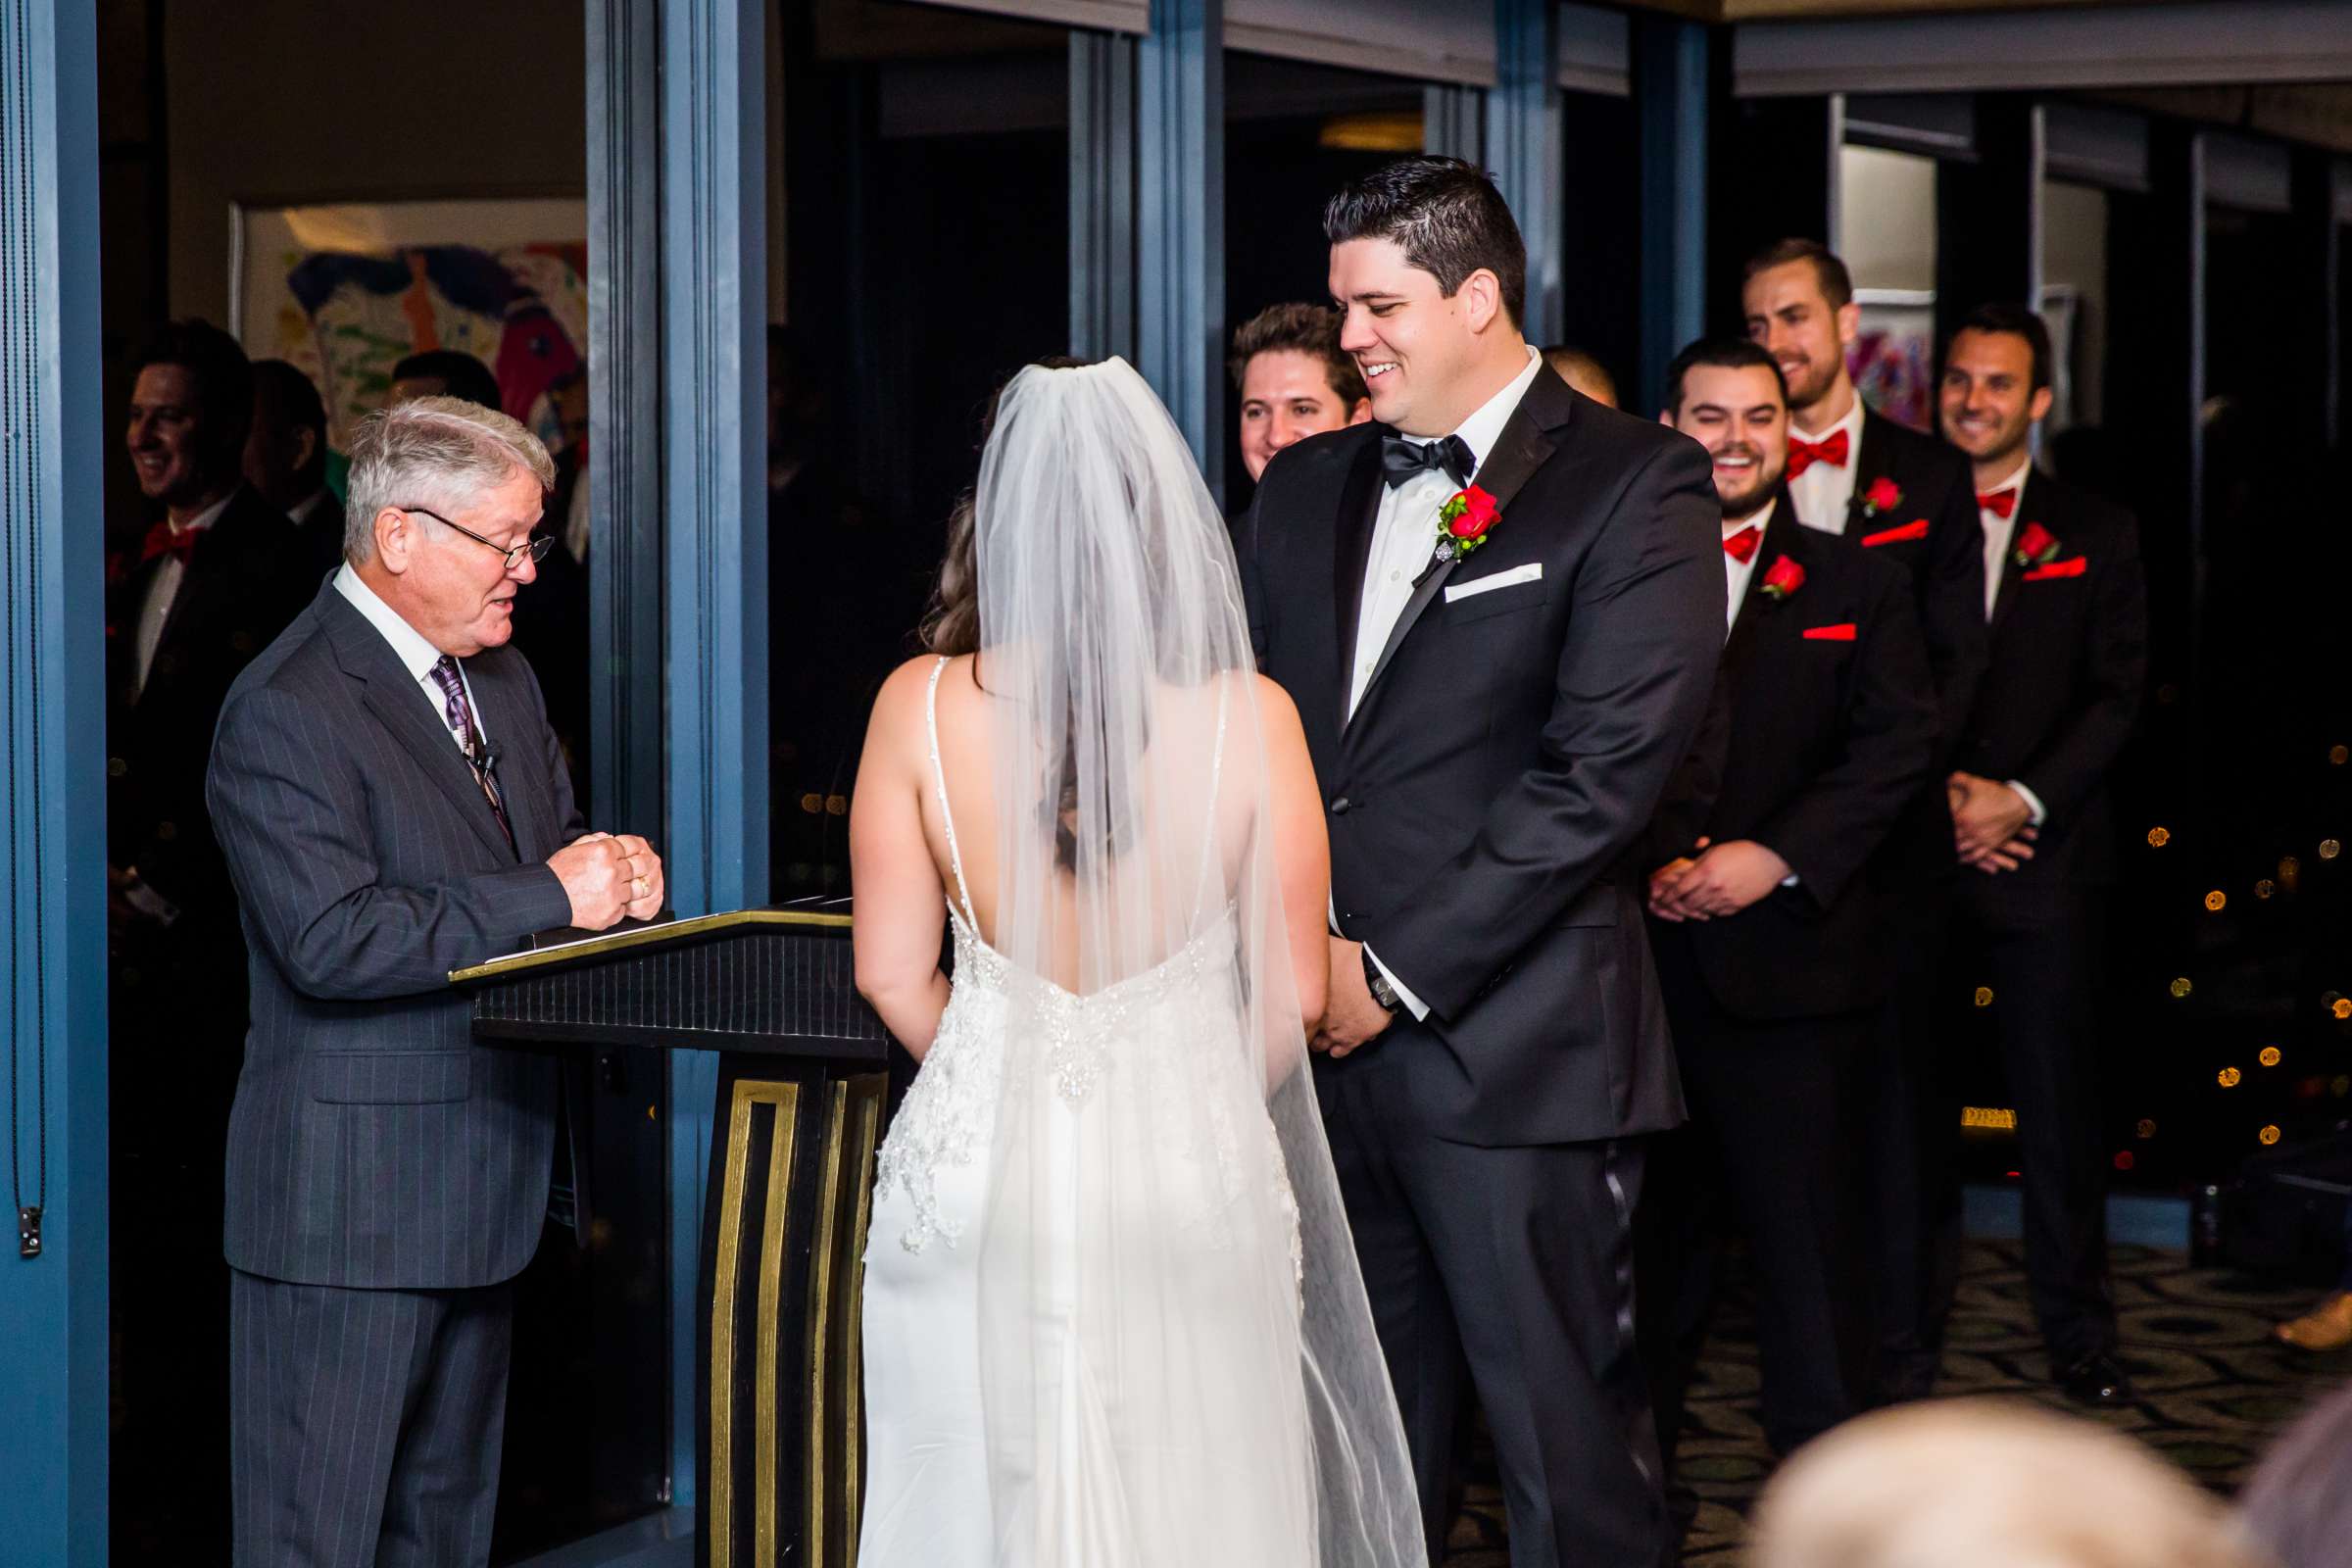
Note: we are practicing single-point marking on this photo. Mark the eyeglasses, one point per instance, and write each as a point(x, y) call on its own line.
point(536, 547)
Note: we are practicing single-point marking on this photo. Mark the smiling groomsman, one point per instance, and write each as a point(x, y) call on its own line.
point(2068, 610)
point(1903, 496)
point(1770, 922)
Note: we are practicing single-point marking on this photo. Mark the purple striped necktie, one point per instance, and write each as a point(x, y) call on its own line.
point(459, 714)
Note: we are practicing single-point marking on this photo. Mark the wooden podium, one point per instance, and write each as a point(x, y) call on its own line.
point(800, 1107)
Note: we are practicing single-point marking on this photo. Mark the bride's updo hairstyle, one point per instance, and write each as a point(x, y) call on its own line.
point(951, 621)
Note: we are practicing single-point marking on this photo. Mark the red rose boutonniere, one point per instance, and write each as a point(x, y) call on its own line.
point(1782, 577)
point(2037, 546)
point(1464, 521)
point(1884, 495)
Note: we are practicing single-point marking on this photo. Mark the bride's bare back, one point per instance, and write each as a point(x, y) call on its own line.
point(902, 869)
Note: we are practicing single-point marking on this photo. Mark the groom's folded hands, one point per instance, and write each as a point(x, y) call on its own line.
point(1351, 1017)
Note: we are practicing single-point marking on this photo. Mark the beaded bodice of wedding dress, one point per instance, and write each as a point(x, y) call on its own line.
point(934, 1498)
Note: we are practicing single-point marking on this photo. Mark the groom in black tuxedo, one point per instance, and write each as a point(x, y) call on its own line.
point(1774, 944)
point(1498, 609)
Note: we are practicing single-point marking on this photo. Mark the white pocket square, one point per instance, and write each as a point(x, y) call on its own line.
point(1533, 571)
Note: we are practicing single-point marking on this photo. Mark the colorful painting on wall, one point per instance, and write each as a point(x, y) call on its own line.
point(1892, 357)
point(346, 291)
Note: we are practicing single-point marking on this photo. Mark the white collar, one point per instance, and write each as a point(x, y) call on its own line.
point(2015, 479)
point(1760, 522)
point(1482, 433)
point(301, 511)
point(209, 515)
point(416, 654)
point(1851, 424)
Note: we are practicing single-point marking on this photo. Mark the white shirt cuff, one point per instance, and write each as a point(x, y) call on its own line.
point(2033, 803)
point(1404, 992)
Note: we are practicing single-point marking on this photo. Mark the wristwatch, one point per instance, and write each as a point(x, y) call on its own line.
point(1383, 992)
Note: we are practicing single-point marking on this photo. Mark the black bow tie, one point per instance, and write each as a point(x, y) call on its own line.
point(1400, 458)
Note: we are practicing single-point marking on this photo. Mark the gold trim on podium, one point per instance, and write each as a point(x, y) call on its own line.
point(772, 1292)
point(820, 1304)
point(839, 1168)
point(866, 1093)
point(644, 936)
point(784, 1099)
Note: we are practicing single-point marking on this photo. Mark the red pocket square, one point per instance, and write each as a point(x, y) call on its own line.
point(1916, 529)
point(2060, 569)
point(1842, 632)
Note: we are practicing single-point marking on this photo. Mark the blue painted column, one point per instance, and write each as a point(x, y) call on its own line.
point(1103, 126)
point(1523, 148)
point(713, 294)
point(1179, 229)
point(53, 1305)
point(1453, 122)
point(1670, 98)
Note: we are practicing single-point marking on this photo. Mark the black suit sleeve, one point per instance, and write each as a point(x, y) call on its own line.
point(1253, 587)
point(1644, 630)
point(1951, 607)
point(1833, 826)
point(1693, 788)
point(2078, 752)
point(293, 819)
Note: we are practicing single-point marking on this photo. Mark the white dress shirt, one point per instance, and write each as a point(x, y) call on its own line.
point(1823, 491)
point(163, 588)
point(1405, 532)
point(303, 509)
point(1405, 535)
point(417, 656)
point(1998, 531)
point(1738, 573)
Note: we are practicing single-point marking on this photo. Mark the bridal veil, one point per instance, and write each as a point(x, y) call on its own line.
point(1178, 1364)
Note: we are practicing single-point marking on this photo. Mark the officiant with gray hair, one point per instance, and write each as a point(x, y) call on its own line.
point(393, 805)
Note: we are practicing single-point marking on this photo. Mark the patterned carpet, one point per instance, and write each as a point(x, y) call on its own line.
point(2213, 1387)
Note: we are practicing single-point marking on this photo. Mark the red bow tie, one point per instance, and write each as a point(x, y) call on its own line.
point(165, 540)
point(1803, 453)
point(1741, 546)
point(2001, 503)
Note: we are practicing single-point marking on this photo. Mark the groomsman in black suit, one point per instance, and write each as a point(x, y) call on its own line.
point(1771, 923)
point(285, 459)
point(217, 574)
point(1498, 608)
point(1906, 497)
point(2029, 815)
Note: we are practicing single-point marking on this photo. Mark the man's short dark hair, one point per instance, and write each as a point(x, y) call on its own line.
point(1836, 283)
point(1309, 329)
point(1721, 354)
point(460, 374)
point(2000, 316)
point(224, 381)
point(1446, 215)
point(294, 404)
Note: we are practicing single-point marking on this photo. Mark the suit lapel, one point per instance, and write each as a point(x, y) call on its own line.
point(1527, 440)
point(400, 705)
point(505, 719)
point(1351, 538)
point(2004, 599)
point(1870, 464)
point(1756, 606)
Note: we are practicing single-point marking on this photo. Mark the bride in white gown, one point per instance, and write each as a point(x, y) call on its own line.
point(1112, 1314)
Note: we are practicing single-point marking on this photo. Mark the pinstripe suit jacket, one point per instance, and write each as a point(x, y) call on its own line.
point(372, 1143)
